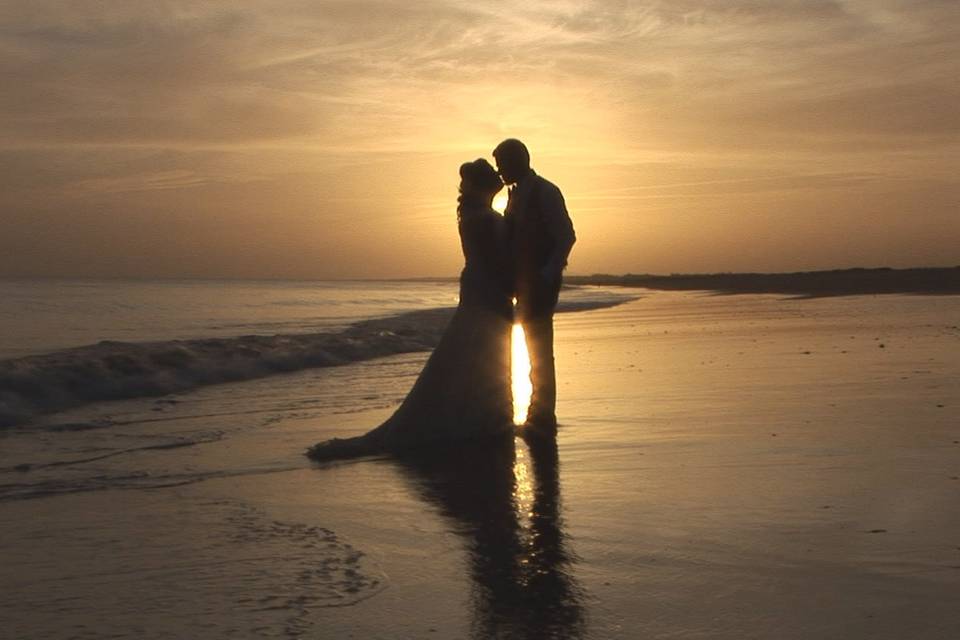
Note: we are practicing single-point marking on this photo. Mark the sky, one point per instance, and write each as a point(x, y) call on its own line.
point(317, 139)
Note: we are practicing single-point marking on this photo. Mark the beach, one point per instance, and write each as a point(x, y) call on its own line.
point(737, 466)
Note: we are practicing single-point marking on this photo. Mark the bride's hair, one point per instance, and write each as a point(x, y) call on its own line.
point(481, 175)
point(478, 181)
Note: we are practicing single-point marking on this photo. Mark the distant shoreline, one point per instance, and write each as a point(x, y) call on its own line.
point(837, 282)
point(833, 282)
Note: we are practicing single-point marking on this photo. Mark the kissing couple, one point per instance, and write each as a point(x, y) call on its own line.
point(464, 390)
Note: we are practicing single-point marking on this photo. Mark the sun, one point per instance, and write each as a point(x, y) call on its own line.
point(500, 202)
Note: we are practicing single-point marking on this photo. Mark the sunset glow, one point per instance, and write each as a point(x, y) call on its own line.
point(520, 375)
point(500, 202)
point(322, 140)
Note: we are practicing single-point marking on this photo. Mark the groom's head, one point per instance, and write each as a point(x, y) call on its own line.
point(513, 160)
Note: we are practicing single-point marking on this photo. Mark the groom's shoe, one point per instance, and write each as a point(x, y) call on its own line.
point(540, 425)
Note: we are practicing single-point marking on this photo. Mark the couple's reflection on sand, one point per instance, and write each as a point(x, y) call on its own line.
point(503, 498)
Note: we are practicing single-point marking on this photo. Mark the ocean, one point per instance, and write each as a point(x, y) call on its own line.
point(41, 316)
point(67, 343)
point(726, 467)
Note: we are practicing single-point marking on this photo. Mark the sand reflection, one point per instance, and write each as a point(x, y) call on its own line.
point(503, 498)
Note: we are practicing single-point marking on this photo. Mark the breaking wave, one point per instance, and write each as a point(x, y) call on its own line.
point(112, 370)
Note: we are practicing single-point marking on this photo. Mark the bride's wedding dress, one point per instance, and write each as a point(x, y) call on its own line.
point(463, 392)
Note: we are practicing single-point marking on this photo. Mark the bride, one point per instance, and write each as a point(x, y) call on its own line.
point(463, 391)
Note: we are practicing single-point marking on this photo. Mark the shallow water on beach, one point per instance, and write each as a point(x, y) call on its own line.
point(40, 316)
point(727, 467)
point(179, 336)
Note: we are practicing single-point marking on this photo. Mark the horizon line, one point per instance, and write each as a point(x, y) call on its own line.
point(446, 278)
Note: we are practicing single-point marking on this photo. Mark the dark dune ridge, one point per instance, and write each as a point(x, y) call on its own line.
point(838, 282)
point(111, 370)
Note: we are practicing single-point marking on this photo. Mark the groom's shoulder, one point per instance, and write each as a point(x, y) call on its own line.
point(545, 186)
point(548, 194)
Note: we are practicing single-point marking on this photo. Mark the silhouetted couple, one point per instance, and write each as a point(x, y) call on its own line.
point(464, 390)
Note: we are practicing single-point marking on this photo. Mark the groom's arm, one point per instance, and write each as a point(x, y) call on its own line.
point(560, 227)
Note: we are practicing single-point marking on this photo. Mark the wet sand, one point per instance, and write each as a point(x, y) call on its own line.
point(727, 467)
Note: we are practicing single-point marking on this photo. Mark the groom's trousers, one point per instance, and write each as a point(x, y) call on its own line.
point(538, 331)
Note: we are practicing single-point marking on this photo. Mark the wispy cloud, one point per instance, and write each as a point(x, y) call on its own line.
point(364, 100)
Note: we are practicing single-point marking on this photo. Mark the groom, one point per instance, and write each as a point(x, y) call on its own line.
point(540, 238)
